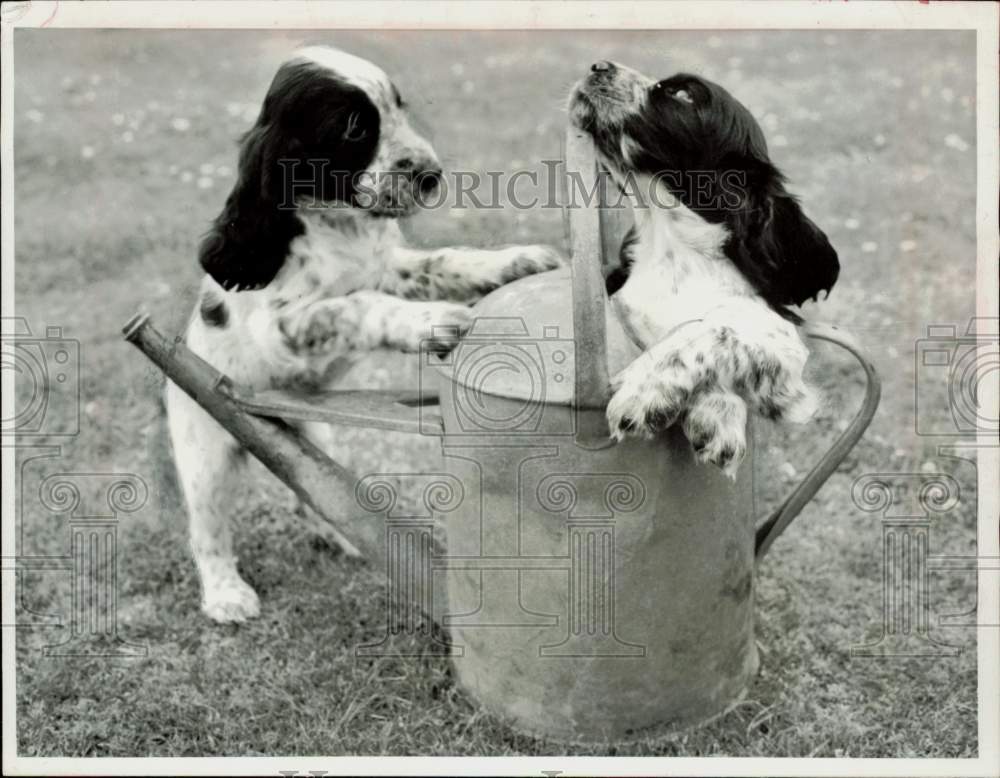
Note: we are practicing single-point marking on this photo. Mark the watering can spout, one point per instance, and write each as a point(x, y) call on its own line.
point(321, 483)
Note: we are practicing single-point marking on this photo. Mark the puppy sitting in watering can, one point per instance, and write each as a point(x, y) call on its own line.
point(718, 255)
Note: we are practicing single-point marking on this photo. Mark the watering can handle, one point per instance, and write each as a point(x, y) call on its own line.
point(782, 516)
point(587, 229)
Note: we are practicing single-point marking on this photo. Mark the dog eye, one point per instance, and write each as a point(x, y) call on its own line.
point(683, 95)
point(354, 131)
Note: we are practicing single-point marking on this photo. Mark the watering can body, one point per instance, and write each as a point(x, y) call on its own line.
point(595, 590)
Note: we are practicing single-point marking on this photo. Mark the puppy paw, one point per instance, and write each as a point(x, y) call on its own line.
point(715, 425)
point(327, 326)
point(528, 260)
point(442, 326)
point(231, 600)
point(646, 400)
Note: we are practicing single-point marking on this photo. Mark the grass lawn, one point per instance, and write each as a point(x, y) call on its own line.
point(125, 151)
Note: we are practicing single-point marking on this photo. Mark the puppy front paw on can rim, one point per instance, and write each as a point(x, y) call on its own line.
point(537, 258)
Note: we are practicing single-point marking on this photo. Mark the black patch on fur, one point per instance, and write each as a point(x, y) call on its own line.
point(519, 268)
point(698, 435)
point(709, 380)
point(213, 310)
point(770, 409)
point(712, 155)
point(657, 419)
point(475, 291)
point(675, 362)
point(616, 279)
point(765, 370)
point(315, 132)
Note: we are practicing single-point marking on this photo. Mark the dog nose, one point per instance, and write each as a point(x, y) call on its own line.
point(601, 66)
point(428, 179)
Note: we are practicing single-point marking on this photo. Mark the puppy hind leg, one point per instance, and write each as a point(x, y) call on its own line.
point(209, 465)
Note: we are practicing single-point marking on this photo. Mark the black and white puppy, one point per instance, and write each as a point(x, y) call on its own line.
point(306, 270)
point(719, 254)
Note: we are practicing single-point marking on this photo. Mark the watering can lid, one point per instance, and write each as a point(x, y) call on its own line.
point(521, 344)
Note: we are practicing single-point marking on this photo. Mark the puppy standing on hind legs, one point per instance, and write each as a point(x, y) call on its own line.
point(718, 255)
point(306, 271)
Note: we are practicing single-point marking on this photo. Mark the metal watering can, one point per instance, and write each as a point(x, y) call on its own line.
point(593, 591)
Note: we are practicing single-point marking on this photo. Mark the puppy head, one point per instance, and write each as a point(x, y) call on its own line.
point(332, 132)
point(690, 137)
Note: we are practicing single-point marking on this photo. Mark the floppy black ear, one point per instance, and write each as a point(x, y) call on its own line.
point(246, 245)
point(807, 263)
point(782, 252)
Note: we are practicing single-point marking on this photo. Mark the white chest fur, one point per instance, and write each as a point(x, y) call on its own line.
point(678, 273)
point(338, 253)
